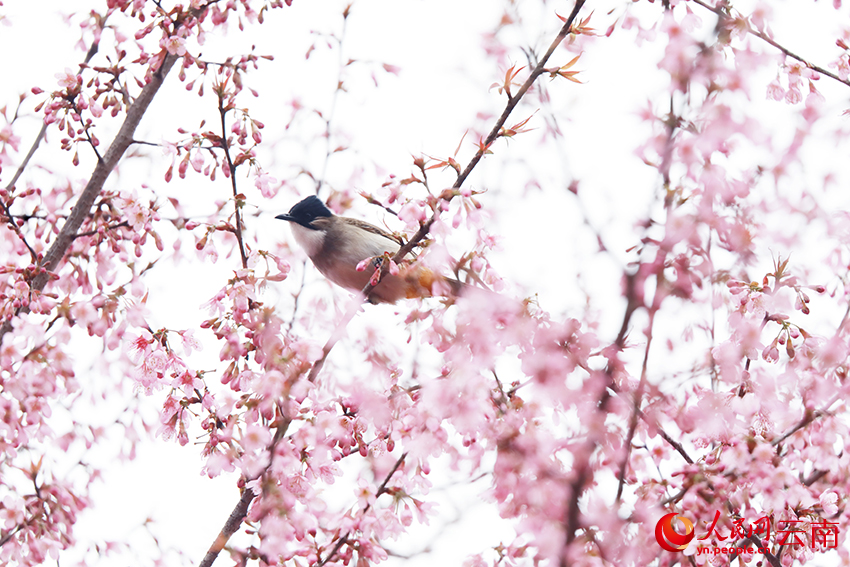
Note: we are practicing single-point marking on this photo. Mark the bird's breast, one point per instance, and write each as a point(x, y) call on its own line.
point(312, 241)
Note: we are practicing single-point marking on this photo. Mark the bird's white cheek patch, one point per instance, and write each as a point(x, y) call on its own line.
point(310, 240)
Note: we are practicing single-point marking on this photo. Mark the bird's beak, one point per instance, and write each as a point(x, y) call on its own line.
point(285, 217)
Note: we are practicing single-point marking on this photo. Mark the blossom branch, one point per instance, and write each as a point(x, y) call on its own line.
point(237, 516)
point(101, 173)
point(672, 125)
point(36, 143)
point(494, 133)
point(722, 9)
point(578, 484)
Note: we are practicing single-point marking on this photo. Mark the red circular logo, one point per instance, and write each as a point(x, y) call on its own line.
point(668, 538)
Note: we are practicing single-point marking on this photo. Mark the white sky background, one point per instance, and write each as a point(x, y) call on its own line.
point(442, 86)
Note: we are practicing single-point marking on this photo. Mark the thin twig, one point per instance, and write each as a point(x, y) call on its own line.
point(93, 48)
point(107, 227)
point(494, 133)
point(297, 297)
point(381, 490)
point(672, 442)
point(337, 334)
point(807, 420)
point(28, 157)
point(329, 120)
point(638, 399)
point(14, 224)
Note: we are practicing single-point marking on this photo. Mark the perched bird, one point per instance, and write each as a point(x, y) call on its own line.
point(336, 245)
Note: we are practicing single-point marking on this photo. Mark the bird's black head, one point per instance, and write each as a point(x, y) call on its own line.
point(306, 211)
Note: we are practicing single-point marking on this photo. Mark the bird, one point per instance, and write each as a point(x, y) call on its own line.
point(337, 245)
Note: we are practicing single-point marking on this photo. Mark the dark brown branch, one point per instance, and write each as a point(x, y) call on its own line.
point(814, 477)
point(230, 526)
point(672, 442)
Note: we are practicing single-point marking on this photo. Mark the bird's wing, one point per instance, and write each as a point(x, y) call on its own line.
point(374, 229)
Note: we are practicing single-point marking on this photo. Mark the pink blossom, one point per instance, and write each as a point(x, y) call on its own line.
point(412, 213)
point(775, 90)
point(8, 137)
point(174, 45)
point(266, 184)
point(68, 79)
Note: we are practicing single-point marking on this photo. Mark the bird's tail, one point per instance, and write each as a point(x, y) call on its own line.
point(425, 283)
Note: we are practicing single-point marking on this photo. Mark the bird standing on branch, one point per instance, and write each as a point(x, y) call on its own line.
point(338, 246)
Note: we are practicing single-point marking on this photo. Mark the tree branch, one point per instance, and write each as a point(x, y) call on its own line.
point(230, 526)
